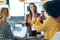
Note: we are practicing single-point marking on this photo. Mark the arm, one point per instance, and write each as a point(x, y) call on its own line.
point(25, 21)
point(43, 27)
point(28, 24)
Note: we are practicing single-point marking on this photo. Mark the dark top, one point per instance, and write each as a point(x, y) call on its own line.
point(5, 32)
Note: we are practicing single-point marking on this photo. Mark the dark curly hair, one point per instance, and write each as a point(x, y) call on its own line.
point(52, 8)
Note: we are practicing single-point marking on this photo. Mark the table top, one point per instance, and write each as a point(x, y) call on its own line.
point(20, 32)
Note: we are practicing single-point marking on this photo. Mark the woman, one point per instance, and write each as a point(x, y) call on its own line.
point(52, 24)
point(5, 31)
point(31, 19)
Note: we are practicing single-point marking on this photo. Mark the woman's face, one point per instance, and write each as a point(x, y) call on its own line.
point(5, 13)
point(32, 7)
point(3, 16)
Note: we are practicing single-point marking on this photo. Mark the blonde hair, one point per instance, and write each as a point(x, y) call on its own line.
point(6, 9)
point(5, 14)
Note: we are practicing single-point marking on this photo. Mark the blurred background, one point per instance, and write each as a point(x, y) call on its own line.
point(17, 12)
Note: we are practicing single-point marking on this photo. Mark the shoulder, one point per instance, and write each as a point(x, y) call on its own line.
point(6, 25)
point(27, 15)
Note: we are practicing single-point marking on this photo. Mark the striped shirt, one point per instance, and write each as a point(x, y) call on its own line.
point(5, 32)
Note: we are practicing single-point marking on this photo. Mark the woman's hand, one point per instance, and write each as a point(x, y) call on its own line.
point(39, 19)
point(17, 37)
point(24, 21)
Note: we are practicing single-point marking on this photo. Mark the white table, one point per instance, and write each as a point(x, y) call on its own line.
point(19, 31)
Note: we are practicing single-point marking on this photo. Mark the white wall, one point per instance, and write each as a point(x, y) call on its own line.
point(38, 5)
point(16, 8)
point(3, 3)
point(32, 1)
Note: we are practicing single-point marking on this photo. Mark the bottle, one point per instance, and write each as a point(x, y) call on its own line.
point(27, 35)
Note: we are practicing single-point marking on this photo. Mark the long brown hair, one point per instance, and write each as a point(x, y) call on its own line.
point(30, 10)
point(5, 14)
